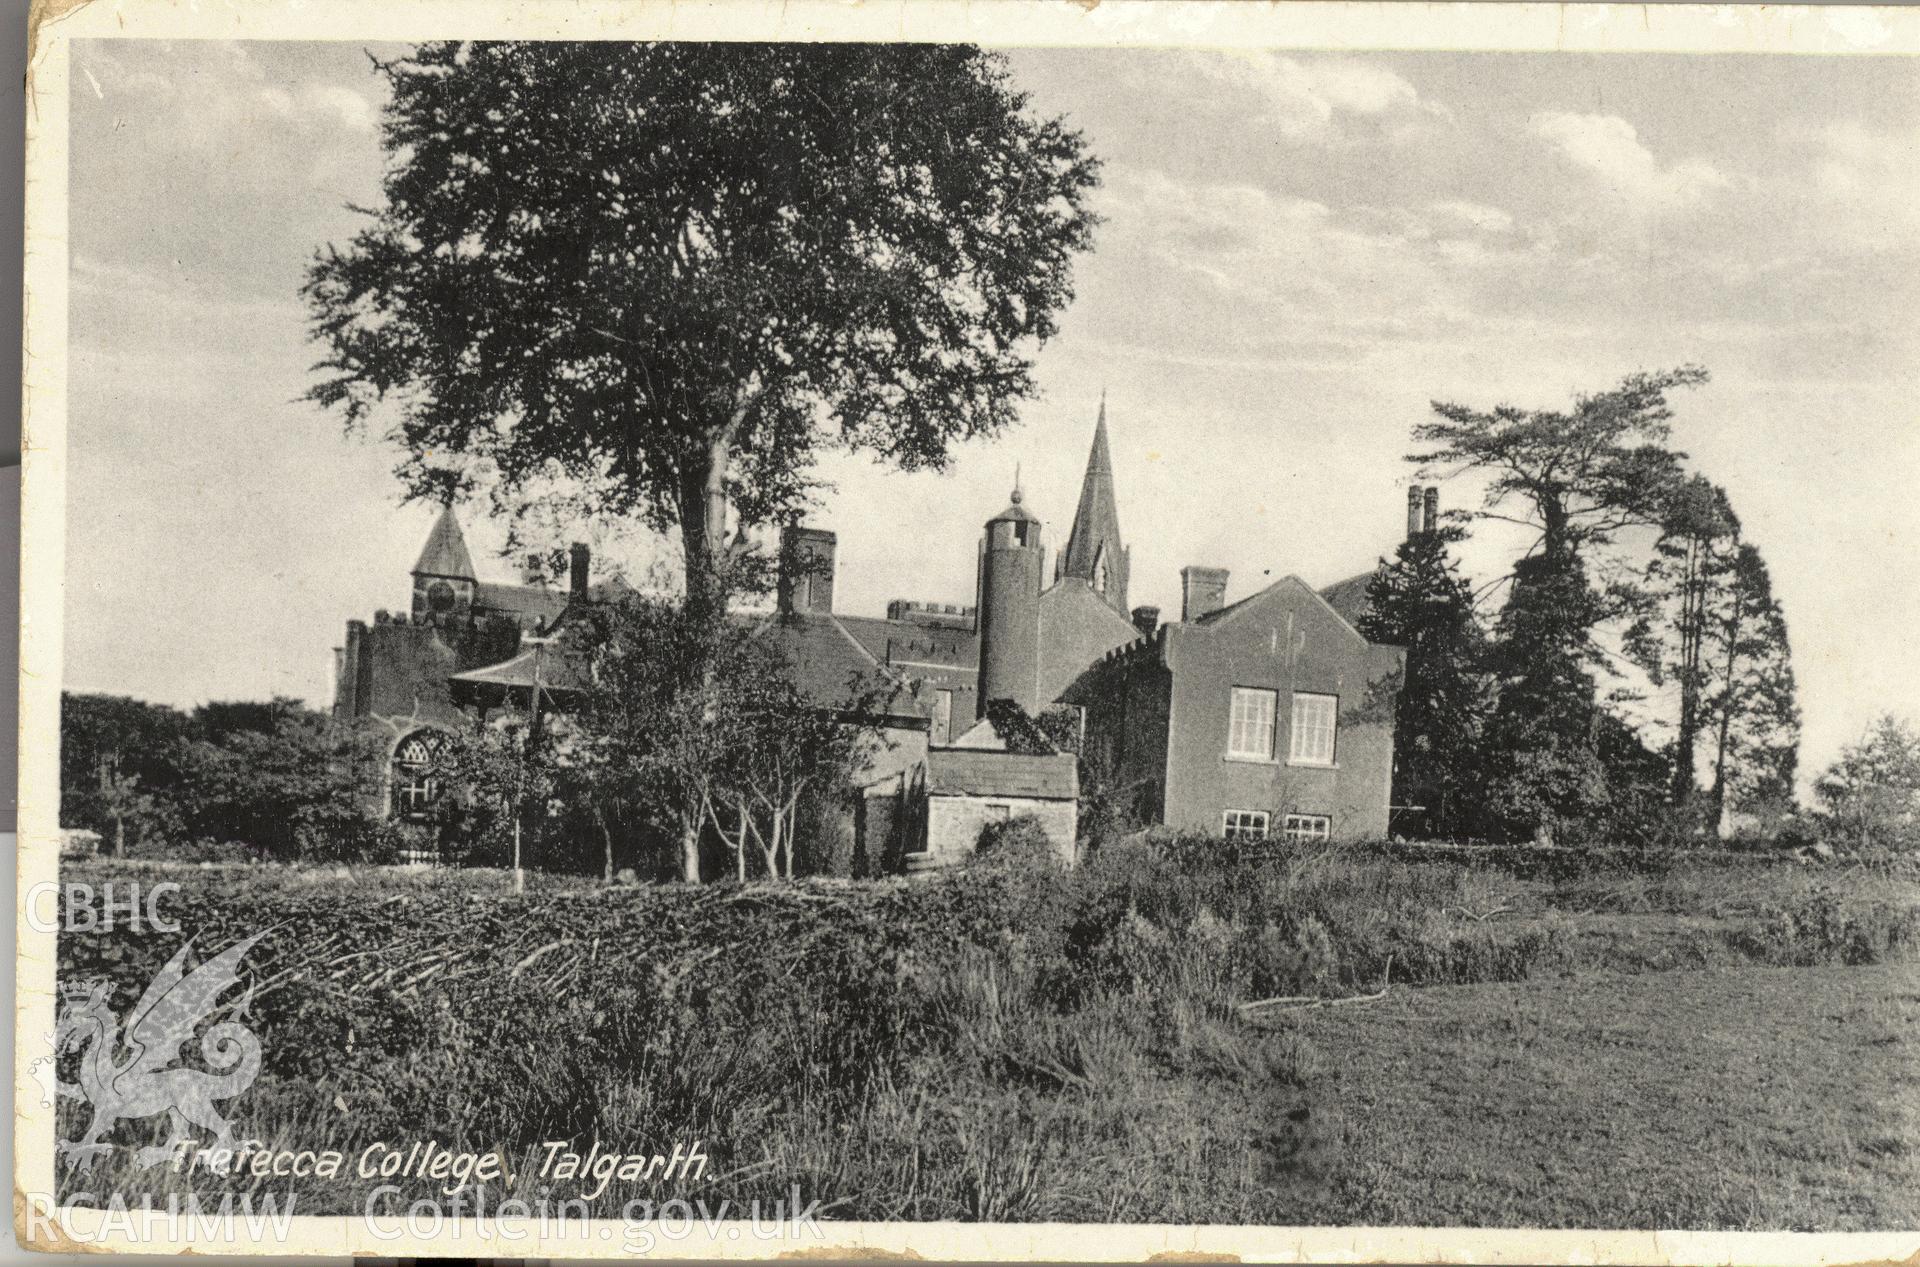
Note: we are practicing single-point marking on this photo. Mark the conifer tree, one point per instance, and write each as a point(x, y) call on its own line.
point(1419, 600)
point(1685, 591)
point(1579, 477)
point(1752, 698)
point(1708, 624)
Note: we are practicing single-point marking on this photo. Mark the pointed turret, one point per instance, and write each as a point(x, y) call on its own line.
point(443, 576)
point(445, 553)
point(1093, 552)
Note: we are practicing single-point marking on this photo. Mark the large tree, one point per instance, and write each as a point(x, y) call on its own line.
point(1419, 600)
point(1683, 592)
point(120, 764)
point(1751, 701)
point(1708, 626)
point(656, 279)
point(1578, 477)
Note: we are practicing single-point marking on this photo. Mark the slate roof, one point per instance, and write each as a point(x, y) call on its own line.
point(827, 659)
point(559, 672)
point(529, 603)
point(918, 650)
point(445, 553)
point(1349, 597)
point(985, 773)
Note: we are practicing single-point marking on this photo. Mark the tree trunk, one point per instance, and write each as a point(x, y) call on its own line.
point(703, 510)
point(1729, 700)
point(690, 850)
point(119, 835)
point(1692, 617)
point(606, 838)
point(1720, 773)
point(703, 529)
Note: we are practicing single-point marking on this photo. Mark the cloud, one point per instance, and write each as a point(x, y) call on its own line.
point(1607, 147)
point(1457, 214)
point(1310, 98)
point(341, 105)
point(1861, 182)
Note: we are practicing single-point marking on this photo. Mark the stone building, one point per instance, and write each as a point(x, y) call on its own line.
point(1266, 716)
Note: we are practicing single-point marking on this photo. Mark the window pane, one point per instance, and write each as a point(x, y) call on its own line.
point(1250, 723)
point(1307, 827)
point(1243, 824)
point(1313, 728)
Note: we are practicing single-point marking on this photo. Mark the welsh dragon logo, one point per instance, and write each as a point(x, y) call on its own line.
point(128, 1071)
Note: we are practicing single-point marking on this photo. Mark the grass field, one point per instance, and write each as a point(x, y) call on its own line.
point(1685, 1045)
point(1741, 1098)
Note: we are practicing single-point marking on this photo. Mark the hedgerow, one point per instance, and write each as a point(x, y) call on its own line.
point(829, 1029)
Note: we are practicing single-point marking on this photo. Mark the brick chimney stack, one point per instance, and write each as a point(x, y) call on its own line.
point(806, 569)
point(580, 561)
point(1413, 511)
point(1146, 620)
point(1432, 508)
point(1202, 590)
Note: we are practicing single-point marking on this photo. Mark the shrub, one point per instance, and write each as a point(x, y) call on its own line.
point(1018, 842)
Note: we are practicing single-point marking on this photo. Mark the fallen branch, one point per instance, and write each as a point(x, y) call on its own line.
point(1498, 910)
point(1302, 1002)
point(524, 964)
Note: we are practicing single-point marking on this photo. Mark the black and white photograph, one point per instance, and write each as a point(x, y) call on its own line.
point(1073, 632)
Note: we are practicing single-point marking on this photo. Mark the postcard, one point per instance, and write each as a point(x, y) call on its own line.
point(983, 632)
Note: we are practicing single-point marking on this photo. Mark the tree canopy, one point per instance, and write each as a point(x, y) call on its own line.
point(1419, 600)
point(1871, 795)
point(1579, 475)
point(657, 279)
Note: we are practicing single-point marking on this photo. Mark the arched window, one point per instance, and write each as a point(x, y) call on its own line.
point(416, 775)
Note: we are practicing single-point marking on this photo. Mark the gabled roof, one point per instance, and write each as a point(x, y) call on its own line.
point(1096, 523)
point(984, 773)
point(1221, 615)
point(1349, 597)
point(445, 553)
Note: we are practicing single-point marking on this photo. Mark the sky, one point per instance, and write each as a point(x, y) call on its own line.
point(1300, 252)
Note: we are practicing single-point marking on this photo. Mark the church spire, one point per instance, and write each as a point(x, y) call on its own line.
point(1093, 551)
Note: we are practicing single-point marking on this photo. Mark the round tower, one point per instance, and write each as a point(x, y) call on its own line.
point(1010, 558)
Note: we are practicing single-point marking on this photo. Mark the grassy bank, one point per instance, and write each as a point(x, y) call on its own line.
point(1013, 1043)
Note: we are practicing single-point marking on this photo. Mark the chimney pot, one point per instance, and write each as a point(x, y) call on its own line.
point(1146, 620)
point(580, 560)
point(1202, 590)
point(1432, 507)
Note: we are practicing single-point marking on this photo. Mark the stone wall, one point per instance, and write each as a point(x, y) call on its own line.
point(954, 824)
